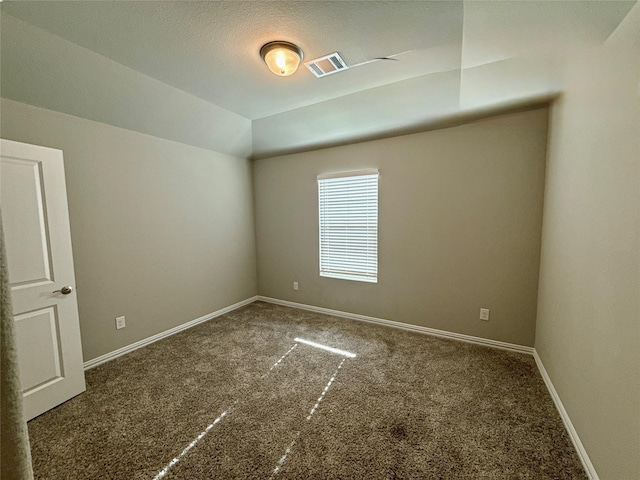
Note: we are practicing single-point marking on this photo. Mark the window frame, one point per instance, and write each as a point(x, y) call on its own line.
point(364, 267)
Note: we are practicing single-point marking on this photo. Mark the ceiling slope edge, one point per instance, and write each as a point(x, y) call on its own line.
point(454, 119)
point(408, 106)
point(47, 71)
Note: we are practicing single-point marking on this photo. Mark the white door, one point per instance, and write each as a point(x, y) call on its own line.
point(33, 200)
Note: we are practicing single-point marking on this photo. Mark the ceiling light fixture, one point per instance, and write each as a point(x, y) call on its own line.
point(281, 57)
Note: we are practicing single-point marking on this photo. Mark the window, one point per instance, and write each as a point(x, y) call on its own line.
point(348, 217)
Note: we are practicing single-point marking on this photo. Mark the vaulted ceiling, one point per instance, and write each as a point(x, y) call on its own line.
point(101, 60)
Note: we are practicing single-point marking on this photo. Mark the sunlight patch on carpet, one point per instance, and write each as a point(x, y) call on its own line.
point(166, 469)
point(173, 462)
point(282, 460)
point(313, 410)
point(284, 457)
point(344, 353)
point(324, 392)
point(283, 357)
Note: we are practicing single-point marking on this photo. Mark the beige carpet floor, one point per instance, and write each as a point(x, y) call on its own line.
point(240, 397)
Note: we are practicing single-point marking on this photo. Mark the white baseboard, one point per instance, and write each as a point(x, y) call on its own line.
point(575, 439)
point(159, 336)
point(404, 326)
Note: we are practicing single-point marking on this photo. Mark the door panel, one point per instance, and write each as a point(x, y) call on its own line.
point(26, 236)
point(36, 226)
point(40, 365)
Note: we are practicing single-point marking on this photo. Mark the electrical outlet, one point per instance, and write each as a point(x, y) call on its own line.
point(295, 285)
point(484, 314)
point(120, 322)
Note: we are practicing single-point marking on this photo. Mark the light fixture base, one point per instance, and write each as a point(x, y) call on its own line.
point(282, 58)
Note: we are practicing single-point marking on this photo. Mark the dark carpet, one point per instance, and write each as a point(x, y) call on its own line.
point(239, 397)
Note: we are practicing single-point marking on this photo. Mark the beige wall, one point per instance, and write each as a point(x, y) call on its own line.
point(588, 332)
point(459, 227)
point(162, 232)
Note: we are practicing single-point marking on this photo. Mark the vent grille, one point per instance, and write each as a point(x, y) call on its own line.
point(327, 65)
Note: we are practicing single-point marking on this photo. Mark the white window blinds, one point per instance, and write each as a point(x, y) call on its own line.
point(349, 225)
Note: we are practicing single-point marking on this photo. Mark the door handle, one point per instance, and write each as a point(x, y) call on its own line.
point(66, 290)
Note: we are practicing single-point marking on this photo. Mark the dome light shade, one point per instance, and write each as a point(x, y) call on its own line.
point(282, 58)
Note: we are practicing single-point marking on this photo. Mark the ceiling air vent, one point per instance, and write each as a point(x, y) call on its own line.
point(323, 66)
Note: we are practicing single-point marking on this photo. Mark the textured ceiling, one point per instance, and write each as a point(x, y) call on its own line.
point(190, 71)
point(210, 49)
